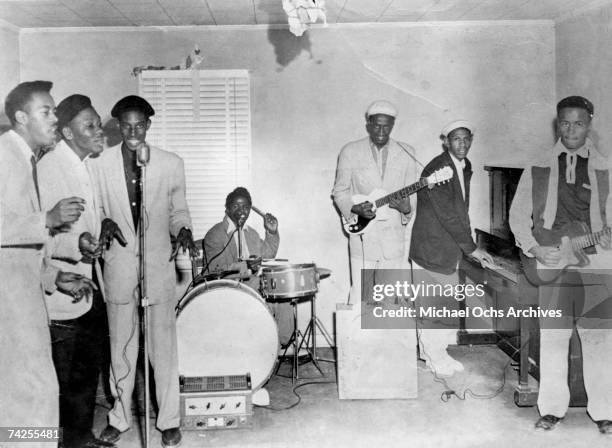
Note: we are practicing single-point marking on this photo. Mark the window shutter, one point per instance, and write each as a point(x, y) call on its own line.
point(204, 117)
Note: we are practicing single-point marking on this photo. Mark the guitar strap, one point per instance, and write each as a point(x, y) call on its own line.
point(411, 156)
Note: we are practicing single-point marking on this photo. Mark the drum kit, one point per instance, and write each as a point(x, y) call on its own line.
point(225, 327)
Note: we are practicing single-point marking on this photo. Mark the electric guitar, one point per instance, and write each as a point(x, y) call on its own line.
point(380, 200)
point(571, 239)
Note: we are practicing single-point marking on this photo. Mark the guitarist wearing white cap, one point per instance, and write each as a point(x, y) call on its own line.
point(373, 163)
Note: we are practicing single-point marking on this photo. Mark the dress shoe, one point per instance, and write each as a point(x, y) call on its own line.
point(547, 422)
point(171, 437)
point(605, 427)
point(110, 434)
point(97, 443)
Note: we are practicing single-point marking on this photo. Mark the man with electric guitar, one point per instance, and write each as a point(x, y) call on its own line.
point(375, 165)
point(559, 217)
point(441, 236)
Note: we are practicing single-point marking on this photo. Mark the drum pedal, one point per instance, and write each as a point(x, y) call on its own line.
point(216, 402)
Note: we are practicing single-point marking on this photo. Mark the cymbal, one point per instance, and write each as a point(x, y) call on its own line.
point(323, 272)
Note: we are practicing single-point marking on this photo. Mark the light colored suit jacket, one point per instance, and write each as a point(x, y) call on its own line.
point(28, 387)
point(357, 173)
point(167, 213)
point(57, 179)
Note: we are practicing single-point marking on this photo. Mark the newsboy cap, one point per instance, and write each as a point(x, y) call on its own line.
point(457, 124)
point(381, 107)
point(132, 102)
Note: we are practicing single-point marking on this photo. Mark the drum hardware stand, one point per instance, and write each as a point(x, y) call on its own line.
point(308, 338)
point(294, 341)
point(144, 300)
point(311, 331)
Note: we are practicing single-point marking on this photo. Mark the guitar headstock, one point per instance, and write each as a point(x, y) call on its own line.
point(440, 176)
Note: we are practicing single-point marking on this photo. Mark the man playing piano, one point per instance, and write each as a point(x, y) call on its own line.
point(441, 236)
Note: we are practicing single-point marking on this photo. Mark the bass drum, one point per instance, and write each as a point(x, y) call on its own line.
point(225, 328)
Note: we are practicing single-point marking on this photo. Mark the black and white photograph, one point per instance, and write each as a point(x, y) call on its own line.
point(305, 223)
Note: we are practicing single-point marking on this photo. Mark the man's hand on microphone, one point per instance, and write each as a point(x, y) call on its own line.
point(184, 240)
point(64, 213)
point(110, 231)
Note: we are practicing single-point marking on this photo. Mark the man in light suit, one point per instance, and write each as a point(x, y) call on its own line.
point(375, 162)
point(117, 178)
point(29, 387)
point(79, 330)
point(441, 236)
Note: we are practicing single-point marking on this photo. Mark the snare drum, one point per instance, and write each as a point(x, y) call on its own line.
point(225, 328)
point(289, 281)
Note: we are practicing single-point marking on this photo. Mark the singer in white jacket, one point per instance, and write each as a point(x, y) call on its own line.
point(117, 178)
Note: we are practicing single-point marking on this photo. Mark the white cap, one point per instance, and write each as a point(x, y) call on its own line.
point(381, 107)
point(456, 125)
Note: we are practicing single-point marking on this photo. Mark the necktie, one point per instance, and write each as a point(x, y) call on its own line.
point(570, 168)
point(35, 178)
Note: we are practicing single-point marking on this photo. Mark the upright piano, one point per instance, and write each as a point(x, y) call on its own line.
point(505, 287)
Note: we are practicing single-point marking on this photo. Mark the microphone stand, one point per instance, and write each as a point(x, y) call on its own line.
point(239, 242)
point(144, 300)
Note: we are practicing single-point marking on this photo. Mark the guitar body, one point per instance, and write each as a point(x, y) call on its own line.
point(358, 224)
point(571, 256)
point(380, 200)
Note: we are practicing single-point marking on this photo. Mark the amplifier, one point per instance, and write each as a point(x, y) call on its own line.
point(216, 402)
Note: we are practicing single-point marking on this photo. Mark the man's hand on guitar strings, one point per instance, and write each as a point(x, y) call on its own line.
point(547, 255)
point(364, 209)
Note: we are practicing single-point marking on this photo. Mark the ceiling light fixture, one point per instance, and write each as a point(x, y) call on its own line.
point(301, 13)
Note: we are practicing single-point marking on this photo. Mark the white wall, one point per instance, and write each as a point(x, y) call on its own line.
point(9, 63)
point(309, 95)
point(583, 55)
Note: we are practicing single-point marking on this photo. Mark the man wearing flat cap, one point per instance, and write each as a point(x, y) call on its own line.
point(117, 174)
point(565, 192)
point(441, 236)
point(375, 162)
point(79, 330)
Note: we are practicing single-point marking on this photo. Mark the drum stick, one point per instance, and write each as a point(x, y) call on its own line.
point(259, 212)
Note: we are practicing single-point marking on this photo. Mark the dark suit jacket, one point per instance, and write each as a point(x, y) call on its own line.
point(217, 237)
point(442, 231)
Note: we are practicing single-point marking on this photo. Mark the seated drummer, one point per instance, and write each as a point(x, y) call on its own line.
point(221, 253)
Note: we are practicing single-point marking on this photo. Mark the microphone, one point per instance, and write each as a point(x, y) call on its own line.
point(143, 153)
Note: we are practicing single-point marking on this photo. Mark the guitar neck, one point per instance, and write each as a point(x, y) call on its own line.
point(402, 193)
point(580, 242)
